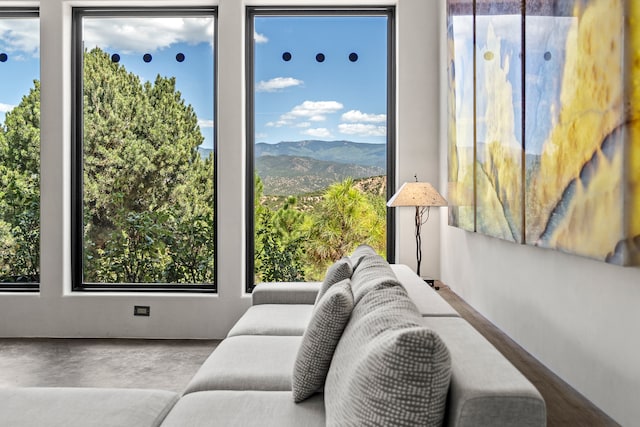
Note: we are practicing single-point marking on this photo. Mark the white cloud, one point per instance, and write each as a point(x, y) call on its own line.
point(277, 83)
point(20, 35)
point(357, 116)
point(259, 38)
point(141, 35)
point(278, 124)
point(5, 108)
point(303, 125)
point(261, 135)
point(205, 123)
point(318, 132)
point(362, 129)
point(313, 110)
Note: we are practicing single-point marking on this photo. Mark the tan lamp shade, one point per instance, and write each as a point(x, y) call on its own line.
point(417, 194)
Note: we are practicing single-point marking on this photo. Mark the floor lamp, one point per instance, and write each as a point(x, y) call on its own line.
point(422, 196)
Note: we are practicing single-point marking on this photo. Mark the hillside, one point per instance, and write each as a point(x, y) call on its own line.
point(331, 151)
point(375, 185)
point(292, 175)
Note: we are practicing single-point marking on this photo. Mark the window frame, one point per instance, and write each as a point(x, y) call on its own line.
point(24, 12)
point(251, 13)
point(77, 149)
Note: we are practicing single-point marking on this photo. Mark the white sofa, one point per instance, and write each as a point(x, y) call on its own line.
point(405, 357)
point(247, 380)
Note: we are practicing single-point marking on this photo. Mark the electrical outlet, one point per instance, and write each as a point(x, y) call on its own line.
point(142, 310)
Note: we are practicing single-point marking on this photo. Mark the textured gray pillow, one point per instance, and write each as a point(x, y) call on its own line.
point(360, 252)
point(337, 272)
point(373, 272)
point(319, 341)
point(387, 369)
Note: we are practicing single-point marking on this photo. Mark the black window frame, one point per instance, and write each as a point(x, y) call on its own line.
point(77, 161)
point(251, 13)
point(24, 12)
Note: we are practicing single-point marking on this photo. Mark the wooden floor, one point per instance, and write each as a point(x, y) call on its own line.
point(565, 406)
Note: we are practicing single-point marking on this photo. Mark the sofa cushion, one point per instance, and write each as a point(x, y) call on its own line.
point(387, 369)
point(319, 341)
point(486, 389)
point(247, 409)
point(84, 407)
point(337, 272)
point(285, 293)
point(374, 272)
point(248, 362)
point(273, 319)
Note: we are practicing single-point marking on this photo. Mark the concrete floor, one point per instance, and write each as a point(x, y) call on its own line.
point(127, 363)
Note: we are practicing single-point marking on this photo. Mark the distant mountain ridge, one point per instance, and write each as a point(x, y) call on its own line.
point(299, 167)
point(360, 153)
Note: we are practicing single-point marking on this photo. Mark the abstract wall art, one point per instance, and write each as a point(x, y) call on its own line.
point(555, 124)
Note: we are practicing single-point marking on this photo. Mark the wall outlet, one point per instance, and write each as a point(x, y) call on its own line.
point(142, 310)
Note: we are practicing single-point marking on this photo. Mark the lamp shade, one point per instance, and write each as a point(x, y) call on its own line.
point(417, 194)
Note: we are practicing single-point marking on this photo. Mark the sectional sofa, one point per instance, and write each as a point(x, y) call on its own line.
point(370, 345)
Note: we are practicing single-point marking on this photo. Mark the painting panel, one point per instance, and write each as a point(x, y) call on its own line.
point(576, 129)
point(461, 118)
point(632, 201)
point(499, 139)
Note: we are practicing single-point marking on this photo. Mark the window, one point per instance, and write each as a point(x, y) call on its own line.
point(144, 149)
point(19, 149)
point(320, 138)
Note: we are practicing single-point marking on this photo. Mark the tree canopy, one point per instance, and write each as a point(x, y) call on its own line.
point(148, 194)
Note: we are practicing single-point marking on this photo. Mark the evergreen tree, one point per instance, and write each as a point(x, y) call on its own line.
point(344, 219)
point(148, 195)
point(279, 240)
point(20, 191)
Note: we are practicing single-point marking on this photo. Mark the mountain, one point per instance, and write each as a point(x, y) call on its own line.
point(287, 175)
point(362, 154)
point(205, 152)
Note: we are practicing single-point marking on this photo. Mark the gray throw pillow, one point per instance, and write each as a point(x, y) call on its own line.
point(387, 369)
point(359, 253)
point(337, 272)
point(320, 339)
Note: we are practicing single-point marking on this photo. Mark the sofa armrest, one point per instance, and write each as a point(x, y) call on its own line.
point(486, 390)
point(285, 293)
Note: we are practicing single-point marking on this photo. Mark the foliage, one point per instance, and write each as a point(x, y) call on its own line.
point(344, 218)
point(278, 240)
point(20, 191)
point(294, 245)
point(148, 195)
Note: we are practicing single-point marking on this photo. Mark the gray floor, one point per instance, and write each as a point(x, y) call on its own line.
point(159, 364)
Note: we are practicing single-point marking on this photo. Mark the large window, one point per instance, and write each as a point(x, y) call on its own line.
point(144, 151)
point(320, 137)
point(19, 150)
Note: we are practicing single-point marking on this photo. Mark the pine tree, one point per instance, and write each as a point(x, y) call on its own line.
point(20, 191)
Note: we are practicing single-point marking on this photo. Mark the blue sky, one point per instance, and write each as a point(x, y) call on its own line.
point(164, 38)
point(19, 41)
point(294, 100)
point(332, 100)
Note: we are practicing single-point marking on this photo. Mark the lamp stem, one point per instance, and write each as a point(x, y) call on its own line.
point(418, 224)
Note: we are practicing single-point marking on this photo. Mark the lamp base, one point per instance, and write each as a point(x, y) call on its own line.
point(431, 282)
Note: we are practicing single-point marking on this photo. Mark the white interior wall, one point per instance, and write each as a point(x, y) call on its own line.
point(57, 312)
point(579, 317)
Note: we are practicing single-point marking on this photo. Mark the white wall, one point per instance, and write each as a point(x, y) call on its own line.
point(579, 317)
point(58, 312)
